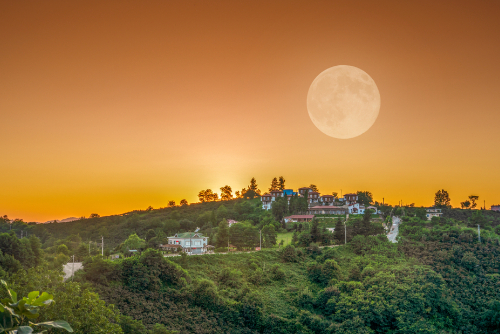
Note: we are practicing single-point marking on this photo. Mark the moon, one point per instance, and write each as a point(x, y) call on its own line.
point(343, 102)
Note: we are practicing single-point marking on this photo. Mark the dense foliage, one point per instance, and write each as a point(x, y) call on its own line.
point(440, 277)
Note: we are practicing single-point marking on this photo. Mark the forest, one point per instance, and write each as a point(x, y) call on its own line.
point(440, 277)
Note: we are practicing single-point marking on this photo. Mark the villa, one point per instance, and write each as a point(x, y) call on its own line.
point(191, 242)
point(433, 212)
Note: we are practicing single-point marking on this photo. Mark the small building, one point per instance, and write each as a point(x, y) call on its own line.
point(302, 191)
point(313, 197)
point(495, 208)
point(191, 242)
point(327, 199)
point(230, 222)
point(327, 210)
point(433, 212)
point(289, 192)
point(298, 218)
point(266, 201)
point(351, 198)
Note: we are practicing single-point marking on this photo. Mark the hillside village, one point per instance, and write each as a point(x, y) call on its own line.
point(317, 204)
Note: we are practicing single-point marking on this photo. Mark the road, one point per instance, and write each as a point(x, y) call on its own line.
point(68, 269)
point(393, 233)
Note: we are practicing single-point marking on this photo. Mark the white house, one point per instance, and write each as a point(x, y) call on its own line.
point(433, 212)
point(191, 242)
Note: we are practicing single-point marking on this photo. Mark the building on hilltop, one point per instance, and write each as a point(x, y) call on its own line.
point(351, 198)
point(495, 208)
point(298, 218)
point(327, 199)
point(327, 210)
point(433, 212)
point(347, 204)
point(191, 242)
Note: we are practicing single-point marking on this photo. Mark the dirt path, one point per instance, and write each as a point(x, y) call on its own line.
point(393, 233)
point(68, 269)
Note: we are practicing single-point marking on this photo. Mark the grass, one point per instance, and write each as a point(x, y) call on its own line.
point(286, 237)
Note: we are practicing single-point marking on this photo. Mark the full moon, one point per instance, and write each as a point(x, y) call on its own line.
point(343, 102)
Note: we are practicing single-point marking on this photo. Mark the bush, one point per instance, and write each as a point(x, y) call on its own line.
point(288, 254)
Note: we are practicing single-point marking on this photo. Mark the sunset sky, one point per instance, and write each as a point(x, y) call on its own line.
point(111, 106)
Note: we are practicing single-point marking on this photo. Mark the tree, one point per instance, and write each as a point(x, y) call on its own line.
point(280, 208)
point(221, 213)
point(244, 235)
point(314, 187)
point(274, 184)
point(207, 196)
point(365, 197)
point(281, 185)
point(268, 236)
point(253, 186)
point(442, 199)
point(237, 194)
point(226, 193)
point(183, 202)
point(465, 204)
point(133, 242)
point(94, 215)
point(315, 231)
point(335, 194)
point(339, 232)
point(222, 234)
point(473, 199)
point(14, 314)
point(171, 204)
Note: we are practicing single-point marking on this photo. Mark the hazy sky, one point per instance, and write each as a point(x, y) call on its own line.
point(110, 106)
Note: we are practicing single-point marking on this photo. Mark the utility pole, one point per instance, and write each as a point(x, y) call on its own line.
point(478, 233)
point(73, 269)
point(102, 245)
point(345, 231)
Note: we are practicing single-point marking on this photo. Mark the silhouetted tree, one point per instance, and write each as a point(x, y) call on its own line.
point(442, 199)
point(274, 184)
point(226, 193)
point(281, 185)
point(365, 197)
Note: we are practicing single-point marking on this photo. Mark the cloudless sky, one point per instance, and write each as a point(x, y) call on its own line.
point(111, 106)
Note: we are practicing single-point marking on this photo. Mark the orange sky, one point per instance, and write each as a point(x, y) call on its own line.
point(110, 106)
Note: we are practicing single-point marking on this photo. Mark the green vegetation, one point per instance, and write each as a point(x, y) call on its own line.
point(439, 278)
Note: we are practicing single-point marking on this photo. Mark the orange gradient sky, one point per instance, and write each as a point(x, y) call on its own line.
point(110, 106)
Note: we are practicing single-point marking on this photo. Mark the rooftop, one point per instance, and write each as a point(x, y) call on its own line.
point(300, 216)
point(188, 235)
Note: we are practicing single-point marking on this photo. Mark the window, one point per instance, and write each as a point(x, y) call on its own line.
point(187, 243)
point(197, 243)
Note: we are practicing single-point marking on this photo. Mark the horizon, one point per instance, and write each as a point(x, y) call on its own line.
point(113, 107)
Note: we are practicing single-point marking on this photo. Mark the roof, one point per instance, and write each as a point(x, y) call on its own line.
point(276, 191)
point(327, 207)
point(171, 246)
point(289, 192)
point(304, 188)
point(351, 194)
point(188, 235)
point(327, 196)
point(300, 216)
point(266, 194)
